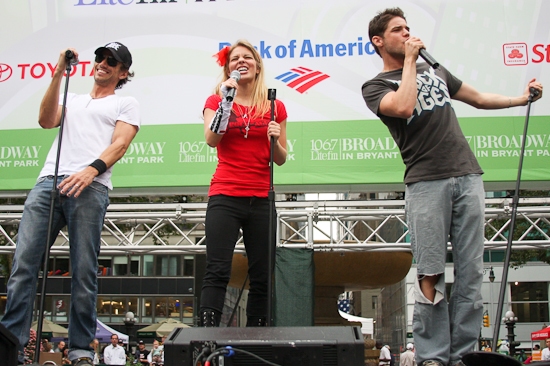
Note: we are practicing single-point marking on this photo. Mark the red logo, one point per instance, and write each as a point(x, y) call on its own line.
point(515, 54)
point(5, 72)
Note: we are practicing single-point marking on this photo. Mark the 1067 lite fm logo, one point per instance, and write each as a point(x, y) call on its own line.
point(130, 2)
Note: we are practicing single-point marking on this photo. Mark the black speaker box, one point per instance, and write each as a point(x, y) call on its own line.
point(8, 347)
point(285, 346)
point(481, 358)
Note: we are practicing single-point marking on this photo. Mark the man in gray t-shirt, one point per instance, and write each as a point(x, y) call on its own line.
point(444, 191)
point(430, 140)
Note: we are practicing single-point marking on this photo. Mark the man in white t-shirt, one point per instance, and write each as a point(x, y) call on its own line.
point(114, 354)
point(75, 180)
point(385, 355)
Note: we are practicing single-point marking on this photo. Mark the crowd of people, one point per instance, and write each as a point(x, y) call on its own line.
point(387, 358)
point(115, 353)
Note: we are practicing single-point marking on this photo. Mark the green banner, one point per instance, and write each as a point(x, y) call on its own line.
point(319, 153)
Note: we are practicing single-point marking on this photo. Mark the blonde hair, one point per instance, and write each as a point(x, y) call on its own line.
point(259, 90)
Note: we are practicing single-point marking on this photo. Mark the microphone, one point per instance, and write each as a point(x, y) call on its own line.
point(231, 92)
point(534, 92)
point(428, 58)
point(70, 56)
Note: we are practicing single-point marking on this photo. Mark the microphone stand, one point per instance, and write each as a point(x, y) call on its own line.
point(271, 95)
point(53, 195)
point(494, 358)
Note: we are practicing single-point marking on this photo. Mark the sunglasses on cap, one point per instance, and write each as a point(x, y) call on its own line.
point(111, 61)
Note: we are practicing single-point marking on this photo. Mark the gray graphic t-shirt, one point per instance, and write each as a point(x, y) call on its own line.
point(431, 142)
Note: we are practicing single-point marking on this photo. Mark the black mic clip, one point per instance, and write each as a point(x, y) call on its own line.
point(70, 56)
point(533, 93)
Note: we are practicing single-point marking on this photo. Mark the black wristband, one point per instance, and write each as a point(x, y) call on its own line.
point(99, 165)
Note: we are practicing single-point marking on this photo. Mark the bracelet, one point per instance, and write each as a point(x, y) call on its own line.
point(509, 102)
point(99, 165)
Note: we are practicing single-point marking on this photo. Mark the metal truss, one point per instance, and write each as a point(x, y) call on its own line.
point(377, 225)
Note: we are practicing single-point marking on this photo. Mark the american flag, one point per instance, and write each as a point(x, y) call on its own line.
point(344, 305)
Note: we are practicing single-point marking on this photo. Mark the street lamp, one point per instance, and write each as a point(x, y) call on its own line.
point(129, 322)
point(486, 322)
point(510, 320)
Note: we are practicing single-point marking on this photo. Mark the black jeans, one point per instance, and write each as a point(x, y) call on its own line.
point(225, 215)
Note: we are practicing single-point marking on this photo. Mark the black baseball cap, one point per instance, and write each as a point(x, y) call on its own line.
point(141, 342)
point(120, 52)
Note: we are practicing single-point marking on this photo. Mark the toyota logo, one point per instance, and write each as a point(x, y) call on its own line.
point(5, 72)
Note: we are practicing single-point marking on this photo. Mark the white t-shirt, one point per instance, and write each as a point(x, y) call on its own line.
point(546, 354)
point(88, 130)
point(385, 354)
point(114, 355)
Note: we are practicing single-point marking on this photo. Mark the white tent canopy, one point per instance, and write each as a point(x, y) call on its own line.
point(103, 333)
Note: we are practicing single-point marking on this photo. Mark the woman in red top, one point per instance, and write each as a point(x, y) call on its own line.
point(241, 130)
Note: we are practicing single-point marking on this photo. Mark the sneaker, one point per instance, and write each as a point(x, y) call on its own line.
point(82, 361)
point(431, 363)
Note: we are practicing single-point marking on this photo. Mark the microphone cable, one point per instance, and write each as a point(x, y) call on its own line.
point(229, 351)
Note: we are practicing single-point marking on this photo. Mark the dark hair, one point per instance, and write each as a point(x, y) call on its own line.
point(378, 24)
point(127, 79)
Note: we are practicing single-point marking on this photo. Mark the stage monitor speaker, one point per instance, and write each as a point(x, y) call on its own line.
point(285, 346)
point(481, 358)
point(8, 347)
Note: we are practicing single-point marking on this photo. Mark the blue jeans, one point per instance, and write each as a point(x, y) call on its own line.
point(84, 219)
point(225, 216)
point(437, 212)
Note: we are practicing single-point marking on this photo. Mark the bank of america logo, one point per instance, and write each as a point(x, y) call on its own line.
point(302, 78)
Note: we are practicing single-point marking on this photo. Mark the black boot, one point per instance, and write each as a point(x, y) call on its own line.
point(256, 321)
point(210, 318)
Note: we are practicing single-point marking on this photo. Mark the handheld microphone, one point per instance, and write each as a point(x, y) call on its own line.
point(70, 56)
point(534, 92)
point(428, 58)
point(231, 93)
